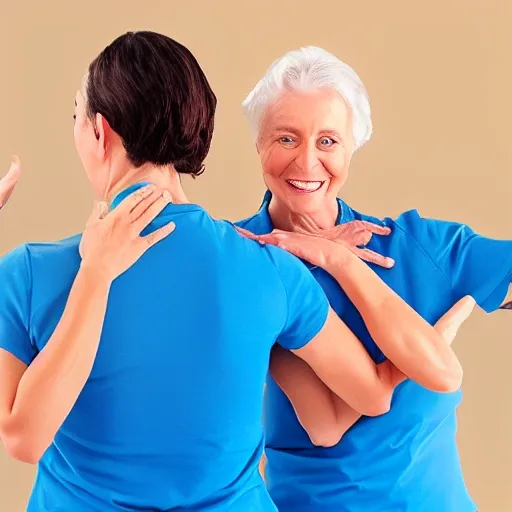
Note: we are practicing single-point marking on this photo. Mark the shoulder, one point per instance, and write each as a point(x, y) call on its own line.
point(25, 257)
point(14, 262)
point(49, 251)
point(405, 221)
point(414, 225)
point(259, 223)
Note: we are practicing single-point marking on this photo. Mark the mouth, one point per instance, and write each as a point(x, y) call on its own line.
point(306, 187)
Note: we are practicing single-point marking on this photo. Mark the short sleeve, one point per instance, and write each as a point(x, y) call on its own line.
point(474, 264)
point(307, 304)
point(15, 285)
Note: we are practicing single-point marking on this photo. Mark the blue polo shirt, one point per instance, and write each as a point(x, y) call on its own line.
point(170, 417)
point(406, 460)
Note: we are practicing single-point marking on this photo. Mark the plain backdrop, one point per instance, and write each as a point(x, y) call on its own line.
point(439, 78)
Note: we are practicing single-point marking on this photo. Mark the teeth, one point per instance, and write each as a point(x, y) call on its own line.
point(306, 185)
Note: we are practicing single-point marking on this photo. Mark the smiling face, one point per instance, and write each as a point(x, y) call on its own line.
point(305, 147)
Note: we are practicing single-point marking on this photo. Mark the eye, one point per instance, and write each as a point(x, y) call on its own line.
point(327, 142)
point(286, 140)
point(74, 117)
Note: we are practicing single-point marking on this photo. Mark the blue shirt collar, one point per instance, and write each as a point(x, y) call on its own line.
point(126, 192)
point(345, 213)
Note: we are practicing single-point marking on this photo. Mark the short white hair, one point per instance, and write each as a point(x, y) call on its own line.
point(308, 69)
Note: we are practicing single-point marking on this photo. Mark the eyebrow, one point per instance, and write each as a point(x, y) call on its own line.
point(289, 129)
point(330, 132)
point(285, 129)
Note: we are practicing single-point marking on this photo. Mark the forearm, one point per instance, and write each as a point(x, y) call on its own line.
point(52, 383)
point(309, 396)
point(404, 336)
point(323, 415)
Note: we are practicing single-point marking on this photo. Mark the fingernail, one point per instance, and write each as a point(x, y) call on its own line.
point(390, 262)
point(167, 196)
point(148, 189)
point(172, 226)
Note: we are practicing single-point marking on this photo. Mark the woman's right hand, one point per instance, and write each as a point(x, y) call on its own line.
point(9, 181)
point(111, 242)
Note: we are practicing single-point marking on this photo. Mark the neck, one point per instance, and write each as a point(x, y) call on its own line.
point(311, 222)
point(164, 178)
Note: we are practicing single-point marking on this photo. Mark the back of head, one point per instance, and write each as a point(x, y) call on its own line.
point(309, 69)
point(156, 97)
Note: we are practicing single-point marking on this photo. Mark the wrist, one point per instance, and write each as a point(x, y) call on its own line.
point(97, 274)
point(362, 285)
point(339, 259)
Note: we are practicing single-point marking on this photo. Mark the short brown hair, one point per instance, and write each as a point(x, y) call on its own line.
point(156, 97)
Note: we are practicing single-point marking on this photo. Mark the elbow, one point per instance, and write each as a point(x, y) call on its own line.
point(449, 381)
point(19, 446)
point(325, 437)
point(379, 405)
point(21, 451)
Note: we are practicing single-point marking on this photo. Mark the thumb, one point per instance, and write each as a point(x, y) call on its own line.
point(98, 211)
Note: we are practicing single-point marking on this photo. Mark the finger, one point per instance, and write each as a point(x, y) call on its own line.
point(375, 228)
point(152, 211)
point(149, 200)
point(14, 171)
point(364, 237)
point(247, 234)
point(130, 202)
point(99, 210)
point(373, 257)
point(158, 235)
point(271, 239)
point(9, 181)
point(449, 324)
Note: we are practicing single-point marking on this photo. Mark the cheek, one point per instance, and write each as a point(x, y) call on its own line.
point(336, 165)
point(276, 160)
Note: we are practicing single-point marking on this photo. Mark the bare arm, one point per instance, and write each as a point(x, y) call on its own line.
point(33, 408)
point(9, 181)
point(324, 415)
point(35, 400)
point(403, 336)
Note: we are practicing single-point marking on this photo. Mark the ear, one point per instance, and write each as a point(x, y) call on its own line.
point(103, 133)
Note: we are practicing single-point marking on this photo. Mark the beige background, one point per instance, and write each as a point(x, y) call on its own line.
point(439, 78)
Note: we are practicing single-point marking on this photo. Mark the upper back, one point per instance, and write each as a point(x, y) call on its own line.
point(178, 379)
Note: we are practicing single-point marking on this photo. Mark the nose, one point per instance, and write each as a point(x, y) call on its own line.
point(307, 159)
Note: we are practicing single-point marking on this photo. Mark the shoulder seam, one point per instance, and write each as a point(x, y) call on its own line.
point(282, 286)
point(425, 253)
point(28, 262)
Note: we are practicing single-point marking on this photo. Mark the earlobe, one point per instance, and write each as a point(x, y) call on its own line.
point(101, 128)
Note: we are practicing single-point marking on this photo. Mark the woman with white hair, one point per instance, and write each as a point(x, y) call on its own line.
point(309, 114)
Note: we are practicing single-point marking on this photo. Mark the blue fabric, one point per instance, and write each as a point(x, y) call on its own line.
point(170, 417)
point(406, 460)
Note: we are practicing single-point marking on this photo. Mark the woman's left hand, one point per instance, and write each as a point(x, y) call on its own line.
point(9, 181)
